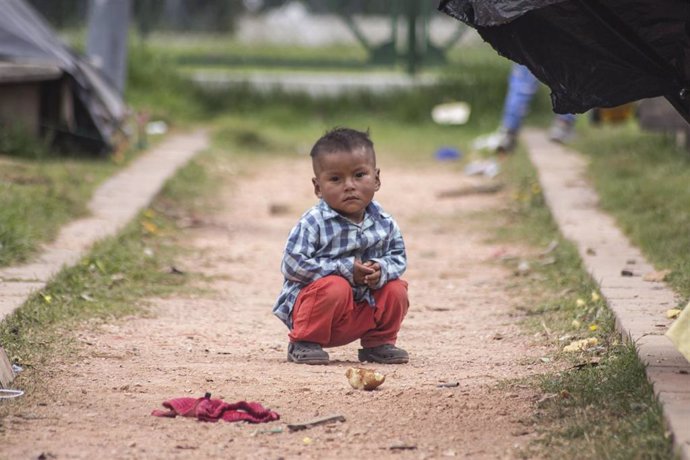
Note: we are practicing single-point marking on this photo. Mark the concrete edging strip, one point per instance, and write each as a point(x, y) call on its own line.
point(639, 306)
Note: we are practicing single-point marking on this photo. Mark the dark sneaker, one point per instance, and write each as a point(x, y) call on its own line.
point(383, 354)
point(306, 353)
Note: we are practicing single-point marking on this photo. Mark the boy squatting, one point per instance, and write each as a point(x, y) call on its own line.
point(343, 260)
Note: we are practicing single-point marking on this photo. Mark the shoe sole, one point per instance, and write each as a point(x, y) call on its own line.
point(312, 362)
point(369, 359)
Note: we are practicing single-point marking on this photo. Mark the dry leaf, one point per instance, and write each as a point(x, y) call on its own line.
point(581, 345)
point(673, 313)
point(550, 248)
point(656, 276)
point(149, 227)
point(546, 397)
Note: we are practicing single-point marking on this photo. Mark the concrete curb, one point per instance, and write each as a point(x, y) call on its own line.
point(639, 306)
point(114, 204)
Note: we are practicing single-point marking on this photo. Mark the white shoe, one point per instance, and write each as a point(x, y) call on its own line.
point(561, 132)
point(507, 141)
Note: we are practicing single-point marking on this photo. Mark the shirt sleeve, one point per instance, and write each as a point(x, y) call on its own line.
point(394, 261)
point(302, 264)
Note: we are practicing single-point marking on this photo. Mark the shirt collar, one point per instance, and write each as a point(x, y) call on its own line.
point(373, 211)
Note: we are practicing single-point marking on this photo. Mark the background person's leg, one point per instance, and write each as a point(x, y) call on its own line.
point(563, 128)
point(522, 86)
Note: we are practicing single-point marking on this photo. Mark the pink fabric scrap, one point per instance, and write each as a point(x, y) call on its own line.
point(212, 410)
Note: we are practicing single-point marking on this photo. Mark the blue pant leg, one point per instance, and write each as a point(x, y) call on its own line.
point(522, 86)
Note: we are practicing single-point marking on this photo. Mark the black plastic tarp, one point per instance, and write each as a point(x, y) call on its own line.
point(591, 53)
point(25, 38)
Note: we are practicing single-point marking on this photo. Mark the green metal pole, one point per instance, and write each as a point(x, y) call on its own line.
point(412, 58)
point(394, 24)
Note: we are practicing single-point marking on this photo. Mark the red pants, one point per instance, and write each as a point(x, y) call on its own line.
point(325, 313)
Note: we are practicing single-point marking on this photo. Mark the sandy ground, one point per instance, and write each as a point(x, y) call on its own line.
point(462, 327)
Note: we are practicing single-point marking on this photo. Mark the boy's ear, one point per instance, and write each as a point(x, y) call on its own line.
point(378, 179)
point(317, 188)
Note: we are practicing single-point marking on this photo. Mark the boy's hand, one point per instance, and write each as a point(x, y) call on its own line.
point(362, 270)
point(372, 279)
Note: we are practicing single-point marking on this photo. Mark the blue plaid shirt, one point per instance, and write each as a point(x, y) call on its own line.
point(325, 243)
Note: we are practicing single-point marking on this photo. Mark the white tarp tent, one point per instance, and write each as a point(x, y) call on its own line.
point(91, 111)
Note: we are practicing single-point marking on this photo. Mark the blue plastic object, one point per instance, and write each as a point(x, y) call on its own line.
point(447, 153)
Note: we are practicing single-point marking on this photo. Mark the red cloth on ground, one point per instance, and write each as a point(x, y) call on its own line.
point(212, 410)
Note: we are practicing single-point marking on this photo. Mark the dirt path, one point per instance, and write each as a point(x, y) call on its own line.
point(461, 328)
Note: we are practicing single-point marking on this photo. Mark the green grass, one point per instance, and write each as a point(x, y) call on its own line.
point(642, 178)
point(604, 411)
point(157, 82)
point(220, 49)
point(601, 405)
point(37, 196)
point(154, 86)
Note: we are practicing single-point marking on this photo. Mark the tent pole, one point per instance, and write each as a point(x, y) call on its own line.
point(680, 106)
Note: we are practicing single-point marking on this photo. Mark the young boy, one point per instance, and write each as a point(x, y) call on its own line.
point(343, 260)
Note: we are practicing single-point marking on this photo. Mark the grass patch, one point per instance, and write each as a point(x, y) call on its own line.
point(476, 75)
point(39, 196)
point(201, 50)
point(642, 180)
point(16, 141)
point(601, 405)
point(154, 86)
point(611, 407)
point(480, 80)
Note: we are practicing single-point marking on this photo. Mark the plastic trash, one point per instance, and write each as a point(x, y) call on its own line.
point(6, 393)
point(447, 153)
point(156, 127)
point(488, 168)
point(452, 113)
point(489, 141)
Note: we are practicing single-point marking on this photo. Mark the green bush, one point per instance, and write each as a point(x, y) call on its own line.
point(155, 86)
point(17, 141)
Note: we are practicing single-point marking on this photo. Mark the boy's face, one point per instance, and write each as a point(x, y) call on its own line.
point(346, 181)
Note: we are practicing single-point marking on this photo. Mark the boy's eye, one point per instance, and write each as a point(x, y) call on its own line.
point(334, 178)
point(360, 174)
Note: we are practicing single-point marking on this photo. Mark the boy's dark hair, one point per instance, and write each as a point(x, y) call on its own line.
point(342, 139)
